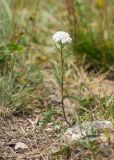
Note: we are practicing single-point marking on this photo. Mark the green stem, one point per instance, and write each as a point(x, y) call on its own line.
point(62, 86)
point(32, 32)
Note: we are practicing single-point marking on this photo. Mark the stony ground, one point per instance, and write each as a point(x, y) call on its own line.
point(42, 141)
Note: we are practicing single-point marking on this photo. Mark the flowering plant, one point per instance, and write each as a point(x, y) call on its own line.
point(61, 39)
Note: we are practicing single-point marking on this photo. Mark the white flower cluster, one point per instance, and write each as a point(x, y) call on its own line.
point(62, 37)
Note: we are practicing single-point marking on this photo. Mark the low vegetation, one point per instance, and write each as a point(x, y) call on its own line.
point(50, 80)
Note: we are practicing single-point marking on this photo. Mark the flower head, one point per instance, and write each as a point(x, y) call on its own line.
point(62, 37)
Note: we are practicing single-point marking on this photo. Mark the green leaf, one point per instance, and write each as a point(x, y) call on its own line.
point(65, 150)
point(11, 47)
point(56, 72)
point(4, 58)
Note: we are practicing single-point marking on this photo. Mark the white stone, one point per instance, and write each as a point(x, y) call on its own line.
point(78, 132)
point(21, 145)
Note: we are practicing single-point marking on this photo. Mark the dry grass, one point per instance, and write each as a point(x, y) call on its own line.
point(44, 140)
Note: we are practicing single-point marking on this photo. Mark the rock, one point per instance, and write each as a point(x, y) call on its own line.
point(57, 127)
point(21, 145)
point(55, 99)
point(48, 129)
point(87, 129)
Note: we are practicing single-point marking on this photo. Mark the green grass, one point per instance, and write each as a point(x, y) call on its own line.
point(93, 36)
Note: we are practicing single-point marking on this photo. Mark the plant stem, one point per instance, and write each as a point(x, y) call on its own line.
point(32, 32)
point(62, 86)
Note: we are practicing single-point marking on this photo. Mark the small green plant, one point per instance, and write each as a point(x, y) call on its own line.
point(61, 39)
point(64, 151)
point(48, 115)
point(7, 56)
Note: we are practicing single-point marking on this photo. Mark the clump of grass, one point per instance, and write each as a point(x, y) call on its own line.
point(17, 82)
point(11, 95)
point(16, 90)
point(18, 76)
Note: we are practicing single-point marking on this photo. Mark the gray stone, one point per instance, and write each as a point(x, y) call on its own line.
point(78, 132)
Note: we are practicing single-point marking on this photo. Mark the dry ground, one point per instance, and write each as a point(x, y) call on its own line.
point(43, 141)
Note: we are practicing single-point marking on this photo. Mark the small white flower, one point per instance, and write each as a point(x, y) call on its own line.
point(62, 37)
